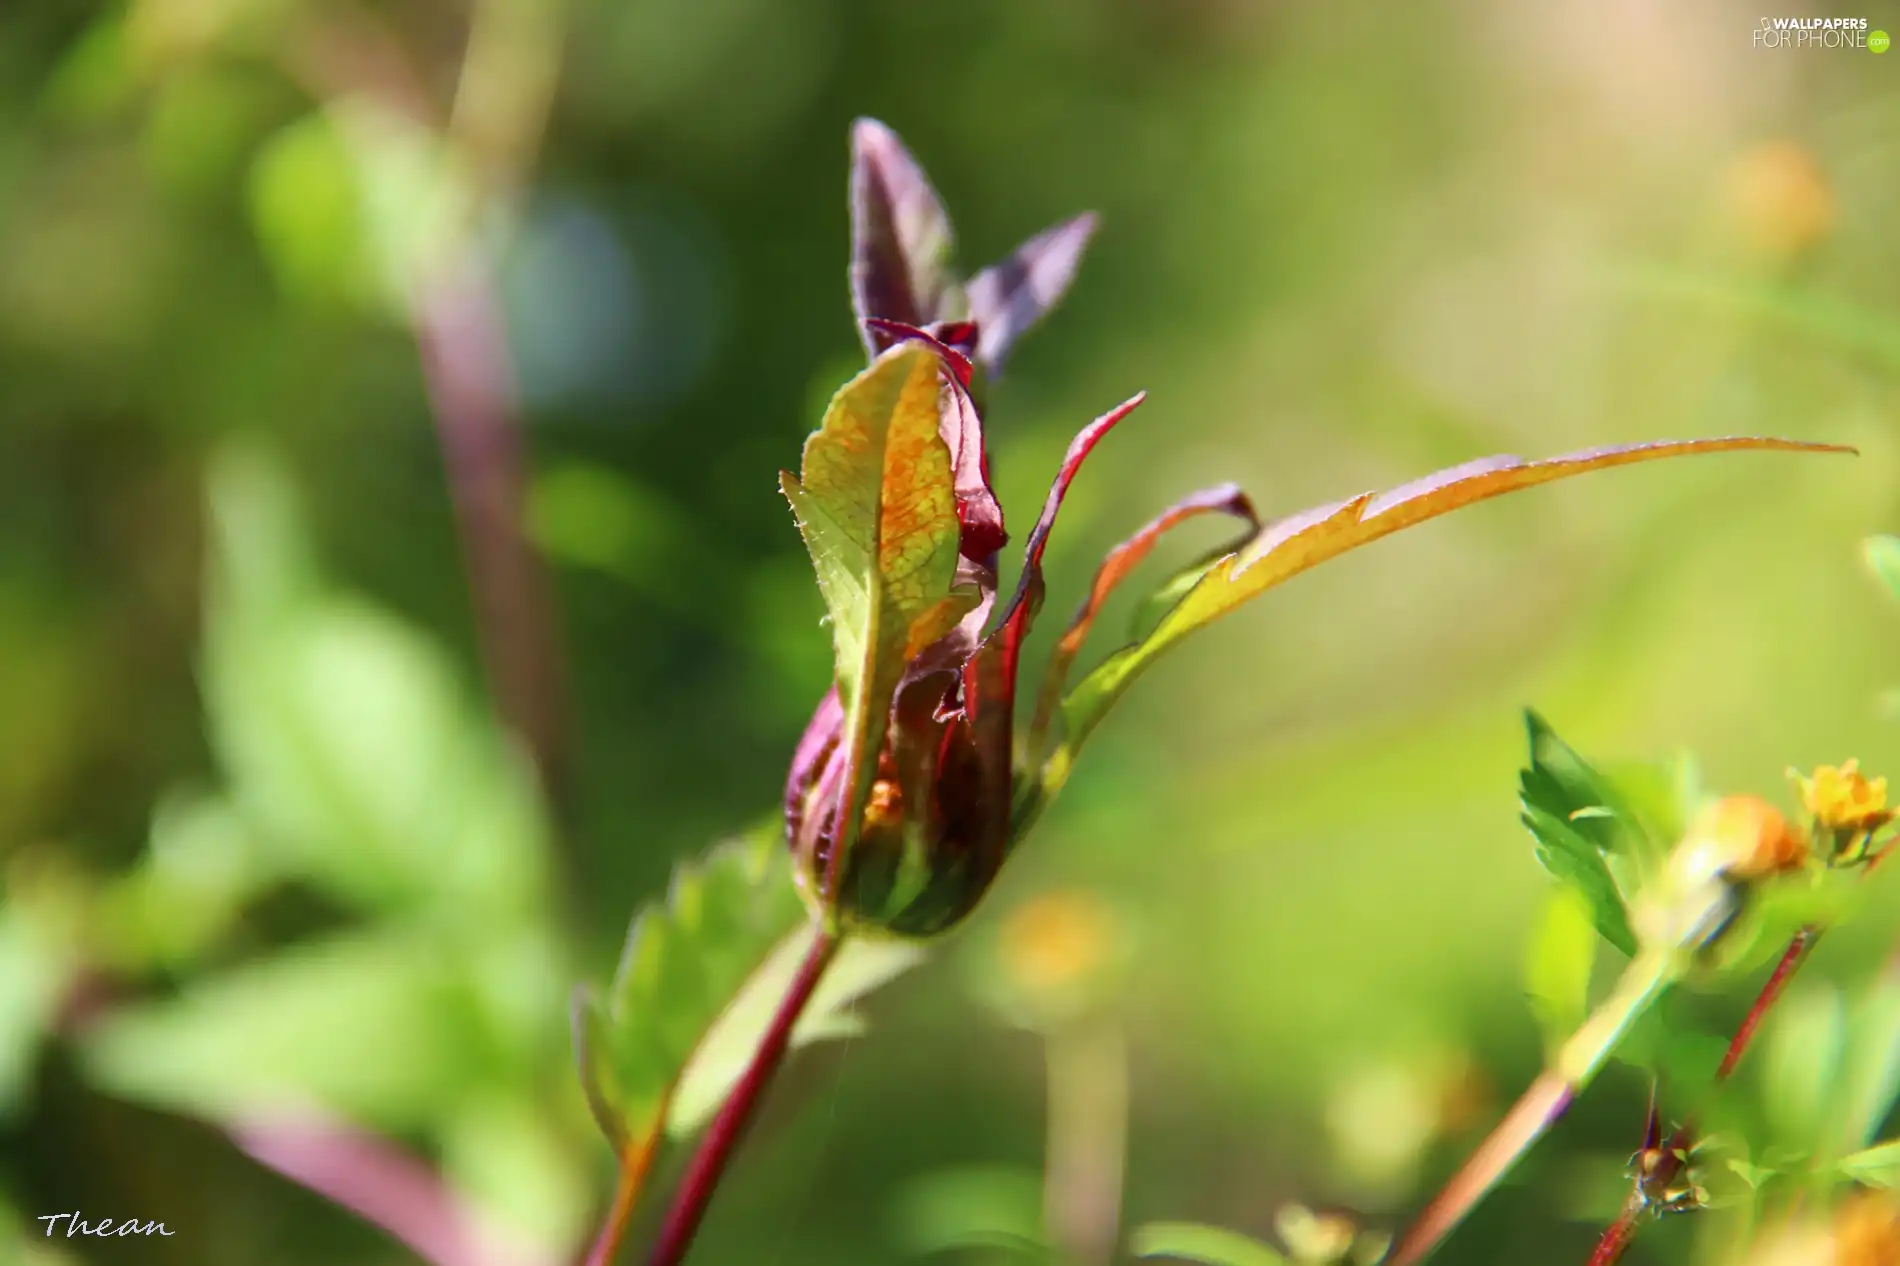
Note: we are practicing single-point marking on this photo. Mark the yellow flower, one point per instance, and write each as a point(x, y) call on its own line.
point(1843, 800)
point(1867, 1232)
point(1057, 940)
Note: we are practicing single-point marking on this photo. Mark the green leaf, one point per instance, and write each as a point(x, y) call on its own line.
point(698, 982)
point(1882, 555)
point(372, 1026)
point(860, 967)
point(1294, 544)
point(876, 504)
point(1877, 1166)
point(1801, 1065)
point(346, 736)
point(1557, 969)
point(1580, 867)
point(1872, 1062)
point(1209, 1245)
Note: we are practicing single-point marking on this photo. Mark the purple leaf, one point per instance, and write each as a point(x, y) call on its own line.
point(901, 240)
point(1007, 298)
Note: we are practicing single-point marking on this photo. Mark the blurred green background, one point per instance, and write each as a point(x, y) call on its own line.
point(264, 844)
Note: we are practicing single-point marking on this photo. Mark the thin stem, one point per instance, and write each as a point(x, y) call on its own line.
point(465, 363)
point(709, 1163)
point(1771, 991)
point(1088, 1130)
point(635, 1163)
point(1617, 1236)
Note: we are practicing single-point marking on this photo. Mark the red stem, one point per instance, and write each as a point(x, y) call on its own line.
point(708, 1165)
point(1791, 961)
point(1616, 1237)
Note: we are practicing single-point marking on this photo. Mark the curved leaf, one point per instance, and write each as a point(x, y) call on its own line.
point(1286, 548)
point(1209, 1245)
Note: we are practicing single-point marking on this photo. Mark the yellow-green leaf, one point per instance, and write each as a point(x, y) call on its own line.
point(876, 502)
point(1284, 549)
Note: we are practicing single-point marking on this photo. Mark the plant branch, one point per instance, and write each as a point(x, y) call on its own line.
point(636, 1162)
point(709, 1163)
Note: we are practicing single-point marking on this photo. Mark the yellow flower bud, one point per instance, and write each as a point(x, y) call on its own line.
point(1781, 200)
point(1842, 799)
point(1057, 941)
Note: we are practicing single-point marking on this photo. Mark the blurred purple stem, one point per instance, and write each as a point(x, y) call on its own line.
point(461, 336)
point(381, 1184)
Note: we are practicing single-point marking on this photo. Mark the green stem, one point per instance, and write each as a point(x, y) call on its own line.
point(1088, 1131)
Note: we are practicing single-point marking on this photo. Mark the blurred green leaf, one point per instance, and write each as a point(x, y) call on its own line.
point(345, 734)
point(39, 958)
point(1877, 1166)
point(373, 1026)
point(1580, 866)
point(1210, 1245)
point(1801, 1065)
point(989, 1207)
point(1872, 1062)
point(1557, 969)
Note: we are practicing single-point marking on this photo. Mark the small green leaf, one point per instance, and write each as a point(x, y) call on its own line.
point(1557, 970)
point(1877, 1166)
point(1208, 1245)
point(685, 959)
point(1580, 866)
point(697, 985)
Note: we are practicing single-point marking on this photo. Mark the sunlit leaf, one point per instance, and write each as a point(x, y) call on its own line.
point(1007, 298)
point(1872, 1063)
point(1557, 969)
point(1208, 1245)
point(877, 507)
point(1285, 548)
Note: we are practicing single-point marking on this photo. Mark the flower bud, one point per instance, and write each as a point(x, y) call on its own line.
point(931, 838)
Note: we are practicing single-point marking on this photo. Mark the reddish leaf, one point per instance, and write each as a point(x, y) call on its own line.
point(1009, 297)
point(979, 514)
point(901, 240)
